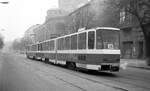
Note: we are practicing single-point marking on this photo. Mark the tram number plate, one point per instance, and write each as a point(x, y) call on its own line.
point(81, 57)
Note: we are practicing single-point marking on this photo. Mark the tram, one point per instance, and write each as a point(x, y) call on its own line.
point(91, 49)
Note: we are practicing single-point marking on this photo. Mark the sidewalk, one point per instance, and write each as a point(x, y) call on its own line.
point(135, 63)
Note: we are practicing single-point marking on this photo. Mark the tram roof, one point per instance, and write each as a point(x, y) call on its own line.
point(46, 41)
point(92, 29)
point(107, 28)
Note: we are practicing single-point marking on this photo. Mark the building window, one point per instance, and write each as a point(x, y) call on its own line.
point(122, 16)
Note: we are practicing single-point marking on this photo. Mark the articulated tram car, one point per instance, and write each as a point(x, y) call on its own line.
point(92, 49)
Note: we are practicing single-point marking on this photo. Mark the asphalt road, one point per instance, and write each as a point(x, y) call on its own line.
point(17, 73)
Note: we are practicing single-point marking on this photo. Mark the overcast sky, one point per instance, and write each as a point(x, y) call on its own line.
point(17, 16)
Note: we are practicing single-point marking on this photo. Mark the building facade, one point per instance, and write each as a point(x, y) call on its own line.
point(95, 13)
point(55, 22)
point(70, 5)
point(39, 34)
point(29, 34)
point(54, 27)
point(55, 13)
point(132, 35)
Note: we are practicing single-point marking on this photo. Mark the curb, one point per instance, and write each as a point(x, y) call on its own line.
point(146, 68)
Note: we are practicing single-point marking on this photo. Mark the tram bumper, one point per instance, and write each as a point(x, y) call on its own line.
point(110, 67)
point(104, 67)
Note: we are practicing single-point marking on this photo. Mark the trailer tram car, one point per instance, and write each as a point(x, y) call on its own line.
point(92, 49)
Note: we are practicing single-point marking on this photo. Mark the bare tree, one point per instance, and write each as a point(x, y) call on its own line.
point(82, 18)
point(16, 45)
point(140, 9)
point(25, 42)
point(20, 44)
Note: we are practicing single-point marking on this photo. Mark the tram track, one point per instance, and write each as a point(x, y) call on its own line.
point(122, 82)
point(122, 89)
point(125, 81)
point(70, 83)
point(93, 78)
point(115, 80)
point(74, 85)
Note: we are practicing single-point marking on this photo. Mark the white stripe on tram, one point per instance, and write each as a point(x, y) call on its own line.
point(104, 51)
point(42, 51)
point(90, 51)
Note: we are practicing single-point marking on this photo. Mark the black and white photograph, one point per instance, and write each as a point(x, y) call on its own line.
point(74, 45)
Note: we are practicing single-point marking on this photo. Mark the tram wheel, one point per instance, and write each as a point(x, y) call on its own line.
point(71, 65)
point(46, 60)
point(33, 58)
point(27, 56)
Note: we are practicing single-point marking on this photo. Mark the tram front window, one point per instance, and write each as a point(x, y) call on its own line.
point(107, 39)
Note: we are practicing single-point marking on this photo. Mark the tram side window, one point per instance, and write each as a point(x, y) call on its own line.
point(67, 43)
point(46, 45)
point(74, 42)
point(91, 39)
point(99, 41)
point(40, 47)
point(82, 41)
point(43, 46)
point(60, 44)
point(32, 48)
point(29, 48)
point(35, 48)
point(51, 45)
